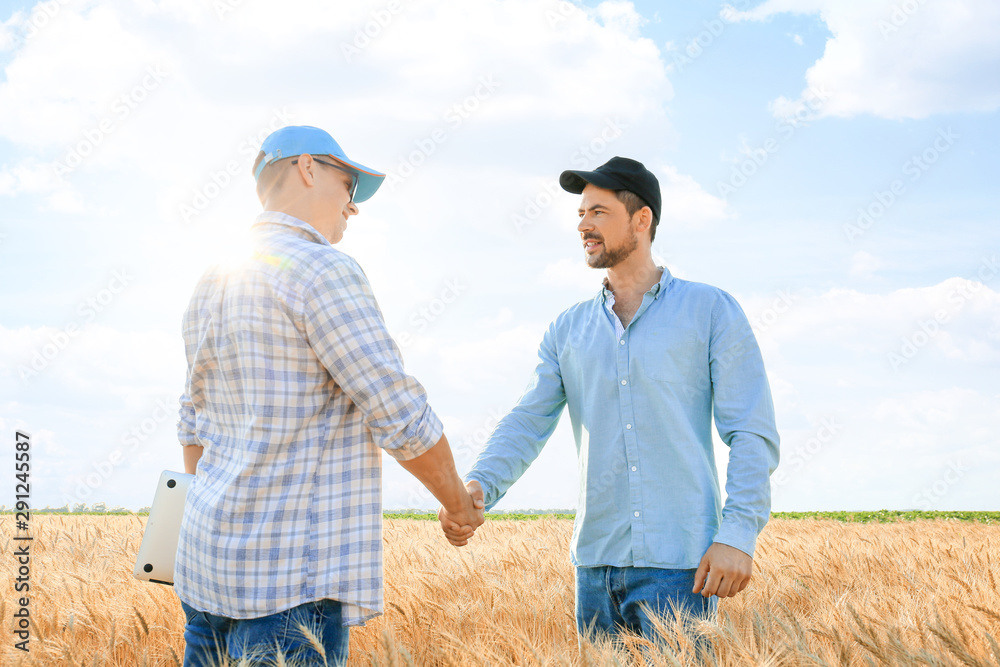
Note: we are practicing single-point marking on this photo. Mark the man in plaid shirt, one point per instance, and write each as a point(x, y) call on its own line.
point(293, 388)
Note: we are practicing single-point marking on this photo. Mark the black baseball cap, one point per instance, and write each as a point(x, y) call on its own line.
point(618, 173)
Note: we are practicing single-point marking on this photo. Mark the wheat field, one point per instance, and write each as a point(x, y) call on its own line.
point(823, 593)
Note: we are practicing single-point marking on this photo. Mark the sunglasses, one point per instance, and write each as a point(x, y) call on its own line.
point(354, 176)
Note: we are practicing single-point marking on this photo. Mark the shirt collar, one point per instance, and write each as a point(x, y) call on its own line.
point(304, 229)
point(656, 290)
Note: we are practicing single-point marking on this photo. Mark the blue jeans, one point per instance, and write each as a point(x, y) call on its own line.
point(610, 600)
point(210, 640)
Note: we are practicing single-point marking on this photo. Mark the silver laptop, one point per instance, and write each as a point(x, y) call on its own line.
point(155, 561)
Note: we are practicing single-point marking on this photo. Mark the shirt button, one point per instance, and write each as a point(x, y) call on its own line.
point(633, 468)
point(621, 342)
point(628, 426)
point(624, 381)
point(637, 514)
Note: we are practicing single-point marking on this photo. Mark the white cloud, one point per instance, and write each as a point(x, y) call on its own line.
point(66, 201)
point(467, 365)
point(685, 203)
point(92, 359)
point(84, 393)
point(45, 102)
point(622, 16)
point(69, 73)
point(503, 317)
point(71, 94)
point(29, 176)
point(864, 264)
point(898, 59)
point(843, 321)
point(926, 449)
point(32, 177)
point(572, 274)
point(898, 428)
point(10, 37)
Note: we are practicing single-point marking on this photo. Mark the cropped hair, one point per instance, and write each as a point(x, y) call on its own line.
point(633, 204)
point(271, 178)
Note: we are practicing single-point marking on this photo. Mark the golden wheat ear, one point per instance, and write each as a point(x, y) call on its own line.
point(312, 632)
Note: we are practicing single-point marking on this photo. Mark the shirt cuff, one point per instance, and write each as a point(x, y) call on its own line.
point(490, 497)
point(185, 433)
point(417, 438)
point(187, 438)
point(737, 536)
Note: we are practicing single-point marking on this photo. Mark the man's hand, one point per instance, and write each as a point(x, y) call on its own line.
point(459, 526)
point(435, 469)
point(723, 571)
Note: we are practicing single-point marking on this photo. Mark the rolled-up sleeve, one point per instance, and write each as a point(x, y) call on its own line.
point(185, 423)
point(744, 417)
point(345, 329)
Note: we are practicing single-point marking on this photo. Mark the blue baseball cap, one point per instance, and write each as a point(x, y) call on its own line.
point(296, 140)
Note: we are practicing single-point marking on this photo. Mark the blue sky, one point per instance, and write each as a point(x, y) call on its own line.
point(828, 162)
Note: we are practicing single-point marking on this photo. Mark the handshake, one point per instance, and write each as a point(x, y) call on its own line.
point(459, 523)
point(462, 506)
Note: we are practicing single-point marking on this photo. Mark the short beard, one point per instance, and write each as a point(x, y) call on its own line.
point(613, 256)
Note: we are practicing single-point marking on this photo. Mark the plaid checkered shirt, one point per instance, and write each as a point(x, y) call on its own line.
point(293, 386)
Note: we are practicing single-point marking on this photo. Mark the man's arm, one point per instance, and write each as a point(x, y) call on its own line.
point(192, 454)
point(186, 435)
point(519, 437)
point(436, 470)
point(744, 417)
point(345, 329)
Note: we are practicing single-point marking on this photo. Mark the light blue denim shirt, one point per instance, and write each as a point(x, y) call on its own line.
point(641, 408)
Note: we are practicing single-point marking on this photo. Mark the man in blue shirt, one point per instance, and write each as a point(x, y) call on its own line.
point(642, 367)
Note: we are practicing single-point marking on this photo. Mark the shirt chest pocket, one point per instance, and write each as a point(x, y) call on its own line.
point(677, 355)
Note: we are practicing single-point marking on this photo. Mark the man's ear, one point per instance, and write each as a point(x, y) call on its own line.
point(644, 219)
point(306, 169)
